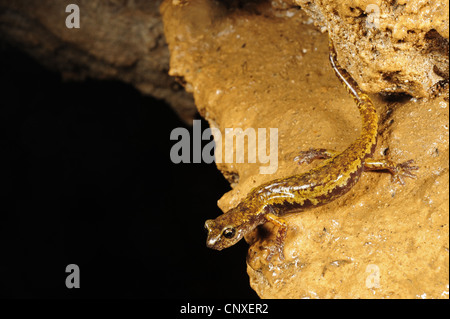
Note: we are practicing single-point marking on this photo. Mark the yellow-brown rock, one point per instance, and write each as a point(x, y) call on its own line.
point(388, 46)
point(260, 67)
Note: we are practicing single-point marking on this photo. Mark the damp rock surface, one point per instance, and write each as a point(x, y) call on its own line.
point(259, 66)
point(388, 46)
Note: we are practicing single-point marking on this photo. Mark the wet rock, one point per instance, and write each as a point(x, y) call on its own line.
point(388, 46)
point(258, 66)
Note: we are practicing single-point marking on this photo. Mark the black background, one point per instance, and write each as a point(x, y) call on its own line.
point(86, 178)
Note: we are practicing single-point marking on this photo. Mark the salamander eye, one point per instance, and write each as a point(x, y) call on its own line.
point(229, 232)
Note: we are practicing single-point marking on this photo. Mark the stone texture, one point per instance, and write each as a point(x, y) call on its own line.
point(259, 66)
point(414, 32)
point(118, 40)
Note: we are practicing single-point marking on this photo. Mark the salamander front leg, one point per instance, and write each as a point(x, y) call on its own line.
point(313, 154)
point(281, 234)
point(398, 171)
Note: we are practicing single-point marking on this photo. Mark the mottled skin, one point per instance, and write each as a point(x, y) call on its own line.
point(333, 178)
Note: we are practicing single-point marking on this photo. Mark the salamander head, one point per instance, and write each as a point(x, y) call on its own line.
point(224, 231)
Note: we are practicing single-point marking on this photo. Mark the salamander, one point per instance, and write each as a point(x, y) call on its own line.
point(335, 176)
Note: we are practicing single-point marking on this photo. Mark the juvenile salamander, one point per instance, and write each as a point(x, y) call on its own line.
point(334, 177)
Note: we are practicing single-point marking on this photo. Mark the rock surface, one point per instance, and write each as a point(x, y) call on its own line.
point(257, 66)
point(117, 40)
point(369, 34)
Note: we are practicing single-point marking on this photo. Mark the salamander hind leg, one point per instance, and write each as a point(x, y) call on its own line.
point(281, 234)
point(306, 157)
point(398, 170)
